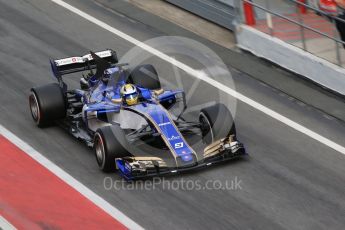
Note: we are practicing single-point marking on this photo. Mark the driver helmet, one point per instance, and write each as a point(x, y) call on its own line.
point(129, 94)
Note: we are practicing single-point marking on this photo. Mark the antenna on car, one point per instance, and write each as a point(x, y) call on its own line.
point(101, 65)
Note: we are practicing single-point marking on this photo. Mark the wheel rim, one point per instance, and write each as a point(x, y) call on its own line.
point(99, 148)
point(34, 108)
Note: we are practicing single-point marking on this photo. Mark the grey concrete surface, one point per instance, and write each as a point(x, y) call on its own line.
point(220, 12)
point(289, 181)
point(188, 21)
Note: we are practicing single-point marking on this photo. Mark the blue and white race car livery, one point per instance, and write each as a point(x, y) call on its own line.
point(127, 118)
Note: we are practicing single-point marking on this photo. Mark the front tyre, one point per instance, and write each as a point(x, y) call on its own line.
point(216, 123)
point(47, 104)
point(110, 143)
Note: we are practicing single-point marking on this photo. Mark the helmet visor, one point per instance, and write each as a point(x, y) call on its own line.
point(131, 98)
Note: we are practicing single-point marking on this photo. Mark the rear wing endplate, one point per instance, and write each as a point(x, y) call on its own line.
point(77, 64)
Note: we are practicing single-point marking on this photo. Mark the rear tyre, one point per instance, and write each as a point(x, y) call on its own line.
point(145, 76)
point(47, 104)
point(217, 123)
point(110, 143)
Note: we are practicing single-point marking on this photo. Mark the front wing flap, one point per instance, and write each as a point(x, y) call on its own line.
point(132, 168)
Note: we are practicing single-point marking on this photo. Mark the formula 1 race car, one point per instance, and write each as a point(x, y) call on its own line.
point(125, 115)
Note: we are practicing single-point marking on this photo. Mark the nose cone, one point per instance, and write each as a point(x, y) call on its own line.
point(186, 160)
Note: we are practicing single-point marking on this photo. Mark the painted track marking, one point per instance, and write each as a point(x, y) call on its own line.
point(68, 179)
point(5, 225)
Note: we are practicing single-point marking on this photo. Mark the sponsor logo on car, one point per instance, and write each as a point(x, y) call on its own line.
point(163, 124)
point(172, 138)
point(178, 145)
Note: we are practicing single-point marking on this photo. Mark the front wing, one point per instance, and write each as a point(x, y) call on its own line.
point(132, 168)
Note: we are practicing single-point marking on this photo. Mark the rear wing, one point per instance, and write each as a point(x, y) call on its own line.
point(77, 64)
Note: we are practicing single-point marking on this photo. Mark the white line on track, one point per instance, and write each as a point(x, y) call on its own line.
point(93, 197)
point(200, 75)
point(5, 225)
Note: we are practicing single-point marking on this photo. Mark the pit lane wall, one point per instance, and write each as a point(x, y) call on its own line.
point(292, 58)
point(221, 12)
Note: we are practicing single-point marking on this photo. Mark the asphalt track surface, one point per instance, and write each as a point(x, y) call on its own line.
point(290, 181)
